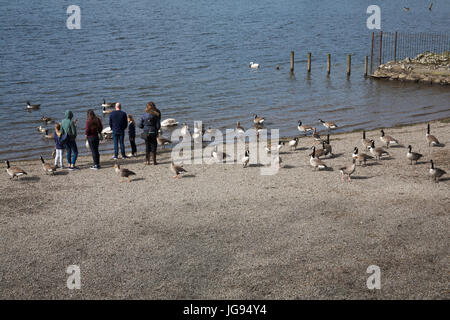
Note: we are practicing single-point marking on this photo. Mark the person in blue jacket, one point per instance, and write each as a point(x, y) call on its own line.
point(150, 123)
point(118, 123)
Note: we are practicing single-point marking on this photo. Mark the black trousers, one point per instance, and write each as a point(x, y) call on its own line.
point(150, 143)
point(93, 144)
point(133, 145)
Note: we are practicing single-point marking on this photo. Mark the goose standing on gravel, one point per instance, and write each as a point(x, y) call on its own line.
point(123, 172)
point(327, 147)
point(303, 128)
point(315, 135)
point(171, 122)
point(328, 124)
point(14, 171)
point(366, 142)
point(293, 143)
point(436, 173)
point(246, 159)
point(176, 169)
point(388, 140)
point(47, 167)
point(258, 120)
point(361, 157)
point(253, 65)
point(319, 152)
point(432, 140)
point(413, 156)
point(348, 170)
point(377, 152)
point(316, 163)
point(32, 106)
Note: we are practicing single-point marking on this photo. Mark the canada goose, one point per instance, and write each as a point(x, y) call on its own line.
point(361, 157)
point(176, 169)
point(48, 135)
point(163, 141)
point(432, 140)
point(431, 6)
point(14, 171)
point(253, 65)
point(185, 129)
point(327, 147)
point(257, 119)
point(316, 162)
point(319, 152)
point(315, 135)
point(377, 152)
point(218, 156)
point(293, 143)
point(124, 173)
point(366, 142)
point(46, 119)
point(32, 106)
point(303, 128)
point(258, 128)
point(279, 146)
point(328, 124)
point(436, 173)
point(387, 139)
point(239, 129)
point(348, 170)
point(406, 9)
point(108, 104)
point(41, 129)
point(106, 111)
point(47, 167)
point(413, 156)
point(169, 123)
point(246, 159)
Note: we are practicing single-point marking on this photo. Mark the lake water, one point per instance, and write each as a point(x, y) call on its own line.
point(191, 58)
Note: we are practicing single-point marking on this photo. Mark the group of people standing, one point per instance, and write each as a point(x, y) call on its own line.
point(66, 133)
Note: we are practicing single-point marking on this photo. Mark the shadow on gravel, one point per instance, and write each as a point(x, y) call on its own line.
point(360, 177)
point(30, 179)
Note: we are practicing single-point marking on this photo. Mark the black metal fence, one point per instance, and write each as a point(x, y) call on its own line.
point(393, 46)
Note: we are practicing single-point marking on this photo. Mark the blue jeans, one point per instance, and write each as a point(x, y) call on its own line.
point(71, 146)
point(118, 137)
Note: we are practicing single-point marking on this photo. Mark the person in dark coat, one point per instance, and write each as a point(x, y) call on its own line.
point(118, 123)
point(150, 123)
point(132, 135)
point(94, 127)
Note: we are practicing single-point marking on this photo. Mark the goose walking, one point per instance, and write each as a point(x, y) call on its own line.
point(328, 124)
point(366, 142)
point(413, 156)
point(436, 173)
point(176, 169)
point(348, 170)
point(388, 140)
point(123, 172)
point(303, 128)
point(316, 163)
point(377, 152)
point(361, 157)
point(432, 140)
point(14, 171)
point(47, 167)
point(32, 106)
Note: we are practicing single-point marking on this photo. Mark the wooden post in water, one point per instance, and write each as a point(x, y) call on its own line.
point(349, 64)
point(309, 61)
point(366, 62)
point(292, 61)
point(328, 63)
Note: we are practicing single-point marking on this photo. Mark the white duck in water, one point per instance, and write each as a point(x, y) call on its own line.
point(253, 65)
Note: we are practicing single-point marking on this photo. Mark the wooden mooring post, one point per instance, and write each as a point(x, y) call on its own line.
point(366, 65)
point(292, 61)
point(328, 63)
point(309, 62)
point(349, 64)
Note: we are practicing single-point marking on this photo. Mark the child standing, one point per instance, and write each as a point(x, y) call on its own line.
point(59, 145)
point(132, 135)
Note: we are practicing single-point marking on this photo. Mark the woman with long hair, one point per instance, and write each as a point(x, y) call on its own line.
point(150, 123)
point(94, 128)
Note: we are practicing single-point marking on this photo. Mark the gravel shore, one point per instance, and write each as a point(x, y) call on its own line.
point(227, 232)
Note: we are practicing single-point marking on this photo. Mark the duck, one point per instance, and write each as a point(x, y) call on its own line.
point(47, 167)
point(328, 124)
point(413, 156)
point(377, 152)
point(316, 163)
point(388, 140)
point(432, 140)
point(293, 143)
point(185, 129)
point(106, 110)
point(239, 129)
point(41, 129)
point(253, 65)
point(435, 173)
point(348, 170)
point(366, 142)
point(46, 119)
point(124, 173)
point(303, 128)
point(32, 106)
point(14, 171)
point(163, 141)
point(47, 135)
point(176, 169)
point(170, 122)
point(245, 159)
point(218, 156)
point(259, 120)
point(315, 135)
point(108, 104)
point(361, 157)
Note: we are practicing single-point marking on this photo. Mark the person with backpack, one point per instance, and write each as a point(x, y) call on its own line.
point(68, 127)
point(150, 123)
point(93, 132)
